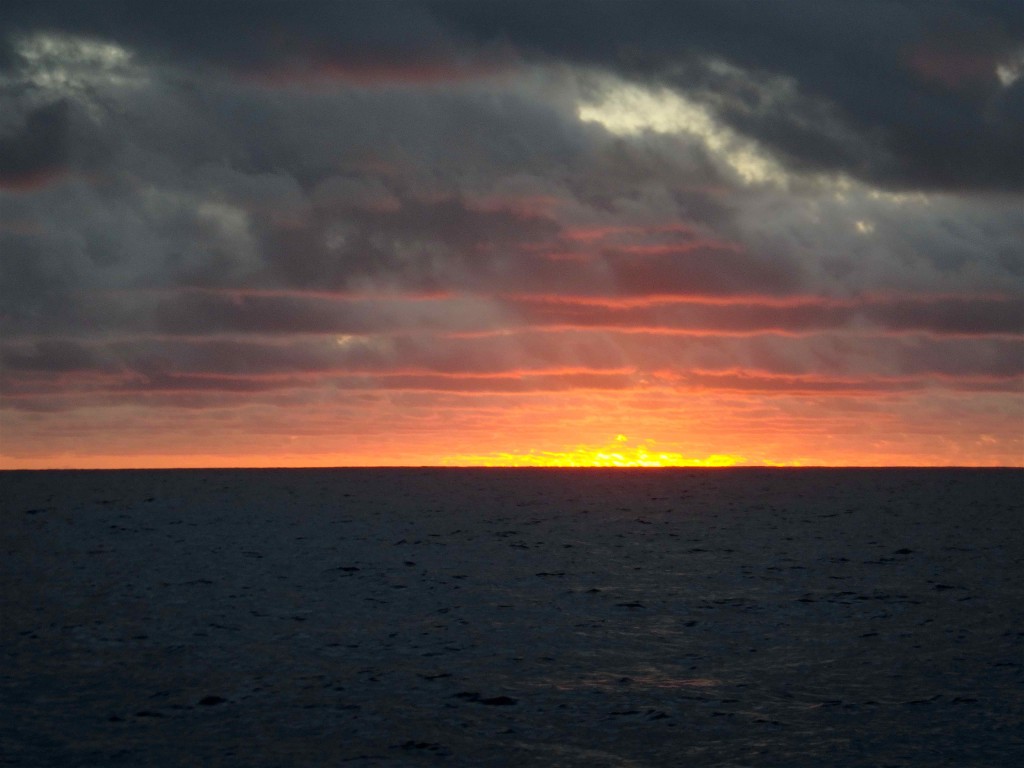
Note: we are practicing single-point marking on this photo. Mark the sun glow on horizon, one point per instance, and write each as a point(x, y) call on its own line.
point(616, 453)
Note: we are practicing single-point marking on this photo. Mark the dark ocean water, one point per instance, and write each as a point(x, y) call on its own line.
point(733, 617)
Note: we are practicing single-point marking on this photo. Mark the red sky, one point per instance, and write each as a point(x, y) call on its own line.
point(439, 234)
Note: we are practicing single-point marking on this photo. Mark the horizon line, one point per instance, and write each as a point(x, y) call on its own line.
point(527, 467)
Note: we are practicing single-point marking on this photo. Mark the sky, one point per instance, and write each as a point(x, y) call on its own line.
point(511, 232)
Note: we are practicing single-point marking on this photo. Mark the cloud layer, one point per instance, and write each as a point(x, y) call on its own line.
point(339, 233)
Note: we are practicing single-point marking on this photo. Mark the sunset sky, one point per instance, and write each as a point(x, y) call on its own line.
point(393, 233)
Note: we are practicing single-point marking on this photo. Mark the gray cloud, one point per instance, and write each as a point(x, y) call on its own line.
point(211, 204)
point(905, 95)
point(37, 148)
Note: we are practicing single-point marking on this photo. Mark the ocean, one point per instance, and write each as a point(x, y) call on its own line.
point(492, 617)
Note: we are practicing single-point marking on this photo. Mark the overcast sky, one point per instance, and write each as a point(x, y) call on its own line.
point(304, 233)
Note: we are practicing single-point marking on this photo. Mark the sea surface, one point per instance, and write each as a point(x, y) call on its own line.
point(485, 617)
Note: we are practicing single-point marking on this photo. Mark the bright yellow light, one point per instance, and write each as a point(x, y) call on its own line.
point(614, 454)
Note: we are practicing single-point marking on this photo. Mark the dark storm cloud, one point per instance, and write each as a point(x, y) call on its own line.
point(867, 103)
point(901, 94)
point(35, 149)
point(257, 36)
point(201, 313)
point(27, 366)
point(262, 196)
point(427, 245)
point(50, 356)
point(704, 270)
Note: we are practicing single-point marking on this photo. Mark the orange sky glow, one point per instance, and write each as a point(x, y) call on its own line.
point(437, 236)
point(667, 427)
